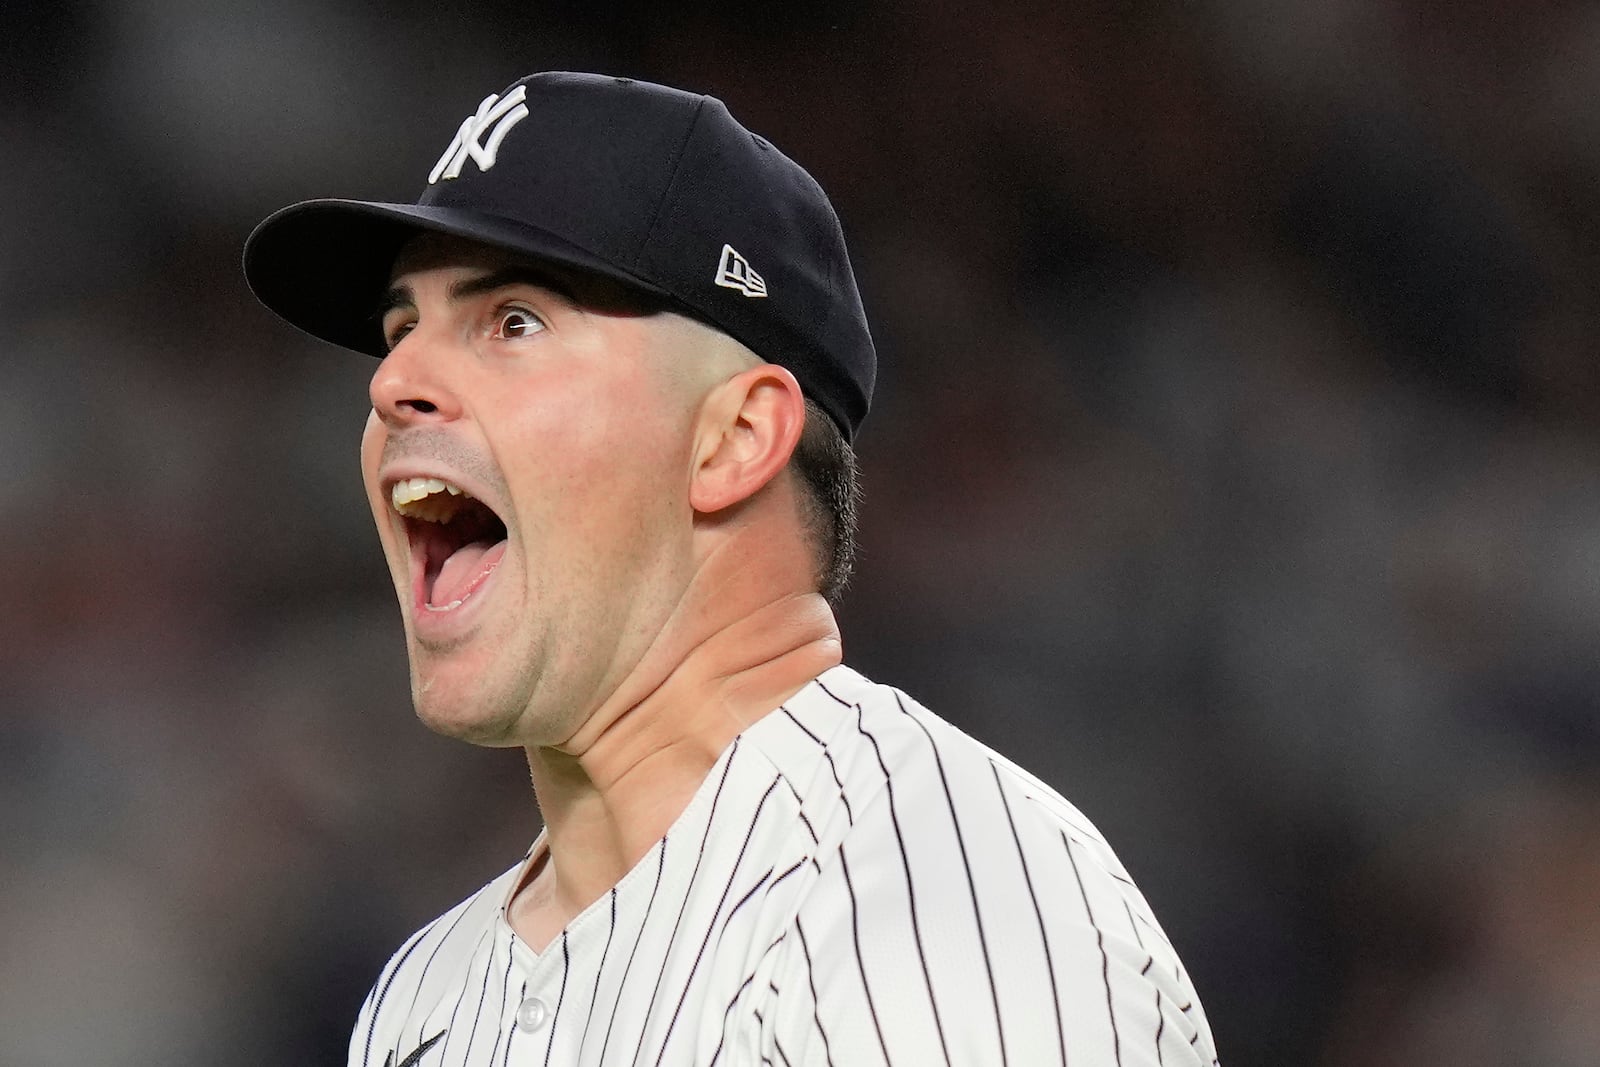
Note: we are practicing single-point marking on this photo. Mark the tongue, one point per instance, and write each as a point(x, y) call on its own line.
point(463, 570)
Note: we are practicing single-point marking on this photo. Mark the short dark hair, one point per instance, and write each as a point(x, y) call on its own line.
point(829, 499)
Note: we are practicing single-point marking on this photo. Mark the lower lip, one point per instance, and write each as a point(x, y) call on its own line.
point(440, 622)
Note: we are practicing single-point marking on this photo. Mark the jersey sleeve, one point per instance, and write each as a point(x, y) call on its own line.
point(365, 1038)
point(363, 1029)
point(973, 926)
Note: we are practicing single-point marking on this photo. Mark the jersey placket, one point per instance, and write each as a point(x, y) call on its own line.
point(534, 994)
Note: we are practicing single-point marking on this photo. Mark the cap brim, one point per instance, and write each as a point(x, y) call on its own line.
point(324, 265)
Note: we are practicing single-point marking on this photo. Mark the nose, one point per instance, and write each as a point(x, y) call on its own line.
point(409, 387)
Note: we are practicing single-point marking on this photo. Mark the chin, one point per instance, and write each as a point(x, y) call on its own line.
point(467, 724)
point(465, 712)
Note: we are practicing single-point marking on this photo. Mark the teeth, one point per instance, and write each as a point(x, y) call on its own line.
point(431, 499)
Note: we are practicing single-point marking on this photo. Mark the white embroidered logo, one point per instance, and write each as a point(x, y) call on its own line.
point(735, 272)
point(493, 112)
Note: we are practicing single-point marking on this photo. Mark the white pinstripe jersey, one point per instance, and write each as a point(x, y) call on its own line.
point(856, 883)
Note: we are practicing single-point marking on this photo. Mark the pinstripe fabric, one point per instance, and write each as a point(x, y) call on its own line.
point(856, 883)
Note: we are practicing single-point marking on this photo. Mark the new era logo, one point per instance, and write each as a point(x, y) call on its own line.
point(494, 117)
point(735, 272)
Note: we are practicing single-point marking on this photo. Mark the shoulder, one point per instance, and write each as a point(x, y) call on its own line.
point(435, 956)
point(969, 908)
point(931, 778)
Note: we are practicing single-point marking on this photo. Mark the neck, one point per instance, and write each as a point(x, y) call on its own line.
point(612, 791)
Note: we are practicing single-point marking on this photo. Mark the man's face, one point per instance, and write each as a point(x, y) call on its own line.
point(564, 419)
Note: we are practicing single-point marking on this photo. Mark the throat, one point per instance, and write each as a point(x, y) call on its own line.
point(535, 911)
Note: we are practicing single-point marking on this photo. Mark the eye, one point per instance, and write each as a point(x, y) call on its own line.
point(512, 322)
point(395, 333)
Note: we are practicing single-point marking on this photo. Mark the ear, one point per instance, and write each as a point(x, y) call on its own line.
point(749, 426)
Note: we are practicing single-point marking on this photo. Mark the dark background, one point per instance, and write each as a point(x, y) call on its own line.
point(1234, 467)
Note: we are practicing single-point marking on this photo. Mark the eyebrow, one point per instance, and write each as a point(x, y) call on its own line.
point(466, 288)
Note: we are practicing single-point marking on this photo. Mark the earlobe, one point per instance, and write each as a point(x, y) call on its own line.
point(749, 427)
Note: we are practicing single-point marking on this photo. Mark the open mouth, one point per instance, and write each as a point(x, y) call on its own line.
point(456, 539)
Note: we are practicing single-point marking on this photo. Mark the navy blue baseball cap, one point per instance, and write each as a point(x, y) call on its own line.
point(655, 188)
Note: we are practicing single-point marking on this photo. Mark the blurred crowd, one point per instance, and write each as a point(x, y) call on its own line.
point(1234, 467)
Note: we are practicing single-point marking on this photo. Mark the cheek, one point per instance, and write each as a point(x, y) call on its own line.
point(585, 431)
point(598, 469)
point(372, 442)
point(372, 439)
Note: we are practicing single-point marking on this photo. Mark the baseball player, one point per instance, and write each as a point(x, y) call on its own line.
point(622, 361)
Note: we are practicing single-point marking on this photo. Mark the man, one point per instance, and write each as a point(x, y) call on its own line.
point(623, 356)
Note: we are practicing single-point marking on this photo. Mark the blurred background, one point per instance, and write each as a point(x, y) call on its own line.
point(1234, 466)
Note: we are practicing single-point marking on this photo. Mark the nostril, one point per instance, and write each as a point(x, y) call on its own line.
point(421, 407)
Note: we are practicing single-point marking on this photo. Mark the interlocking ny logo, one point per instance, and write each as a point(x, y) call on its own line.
point(499, 114)
point(735, 272)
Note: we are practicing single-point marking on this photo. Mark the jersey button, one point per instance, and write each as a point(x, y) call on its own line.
point(532, 1014)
